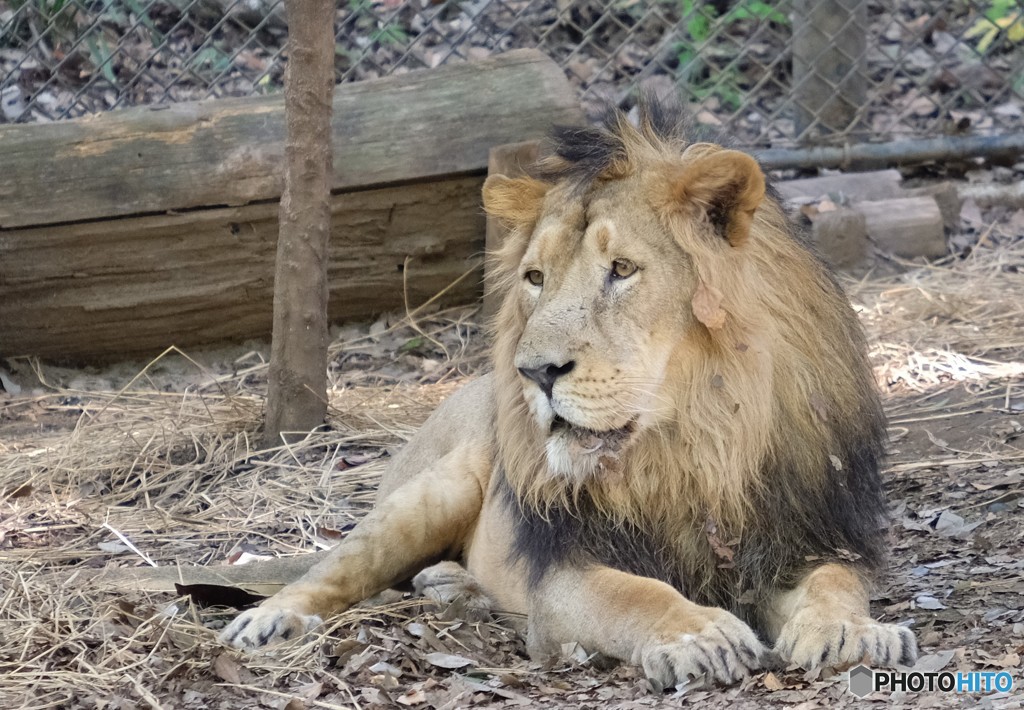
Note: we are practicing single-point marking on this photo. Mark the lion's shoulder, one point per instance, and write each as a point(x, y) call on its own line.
point(465, 419)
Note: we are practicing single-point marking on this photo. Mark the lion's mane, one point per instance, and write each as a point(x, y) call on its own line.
point(767, 468)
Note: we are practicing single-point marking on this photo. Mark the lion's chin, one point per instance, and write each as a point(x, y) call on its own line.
point(577, 452)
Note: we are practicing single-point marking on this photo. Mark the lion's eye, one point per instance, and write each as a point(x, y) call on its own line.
point(535, 277)
point(623, 268)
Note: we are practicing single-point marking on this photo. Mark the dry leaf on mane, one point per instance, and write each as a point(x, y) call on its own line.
point(707, 306)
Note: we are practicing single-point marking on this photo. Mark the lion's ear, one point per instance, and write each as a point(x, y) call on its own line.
point(726, 185)
point(515, 201)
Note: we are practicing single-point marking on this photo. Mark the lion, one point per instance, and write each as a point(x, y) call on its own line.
point(675, 461)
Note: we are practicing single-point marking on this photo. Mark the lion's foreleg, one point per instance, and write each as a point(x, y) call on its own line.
point(642, 621)
point(825, 621)
point(425, 520)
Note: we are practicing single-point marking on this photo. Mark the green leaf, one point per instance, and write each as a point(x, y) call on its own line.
point(412, 344)
point(100, 54)
point(999, 9)
point(143, 14)
point(698, 27)
point(389, 34)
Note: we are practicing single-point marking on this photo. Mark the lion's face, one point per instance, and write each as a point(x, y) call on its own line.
point(606, 294)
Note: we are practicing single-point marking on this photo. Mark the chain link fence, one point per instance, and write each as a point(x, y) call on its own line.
point(771, 73)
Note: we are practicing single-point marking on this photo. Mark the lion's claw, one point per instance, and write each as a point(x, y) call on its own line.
point(262, 626)
point(724, 651)
point(844, 642)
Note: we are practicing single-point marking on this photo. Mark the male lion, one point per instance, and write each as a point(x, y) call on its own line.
point(675, 460)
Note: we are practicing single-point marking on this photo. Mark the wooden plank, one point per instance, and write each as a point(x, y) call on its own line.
point(407, 127)
point(102, 290)
point(510, 160)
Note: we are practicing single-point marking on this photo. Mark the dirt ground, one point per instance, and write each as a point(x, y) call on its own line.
point(112, 470)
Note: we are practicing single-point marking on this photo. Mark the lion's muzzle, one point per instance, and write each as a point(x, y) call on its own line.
point(546, 375)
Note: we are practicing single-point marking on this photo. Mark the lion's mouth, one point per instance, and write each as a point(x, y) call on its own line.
point(583, 441)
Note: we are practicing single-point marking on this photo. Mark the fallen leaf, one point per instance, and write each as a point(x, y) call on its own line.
point(8, 384)
point(707, 306)
point(205, 595)
point(244, 558)
point(949, 524)
point(923, 601)
point(827, 205)
point(20, 492)
point(310, 691)
point(413, 697)
point(516, 698)
point(385, 667)
point(722, 549)
point(772, 682)
point(941, 443)
point(934, 662)
point(329, 533)
point(448, 660)
point(574, 651)
point(1008, 660)
point(970, 212)
point(227, 669)
point(112, 546)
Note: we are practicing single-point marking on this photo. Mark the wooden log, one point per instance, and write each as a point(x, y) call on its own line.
point(510, 160)
point(946, 196)
point(100, 290)
point(907, 226)
point(994, 195)
point(871, 194)
point(414, 126)
point(841, 236)
point(850, 187)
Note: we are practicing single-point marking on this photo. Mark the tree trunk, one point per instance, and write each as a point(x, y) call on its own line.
point(829, 55)
point(297, 397)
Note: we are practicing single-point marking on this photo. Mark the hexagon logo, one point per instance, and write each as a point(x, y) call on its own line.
point(862, 680)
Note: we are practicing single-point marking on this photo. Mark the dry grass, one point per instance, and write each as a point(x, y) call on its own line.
point(138, 476)
point(161, 478)
point(957, 320)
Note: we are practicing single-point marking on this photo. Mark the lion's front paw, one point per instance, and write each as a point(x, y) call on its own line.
point(725, 650)
point(810, 643)
point(263, 625)
point(451, 587)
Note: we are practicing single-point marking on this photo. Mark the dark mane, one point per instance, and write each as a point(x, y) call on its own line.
point(581, 154)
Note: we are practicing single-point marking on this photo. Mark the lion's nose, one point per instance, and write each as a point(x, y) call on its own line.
point(545, 375)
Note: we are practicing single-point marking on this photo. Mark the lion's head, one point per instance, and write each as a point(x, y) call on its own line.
point(666, 339)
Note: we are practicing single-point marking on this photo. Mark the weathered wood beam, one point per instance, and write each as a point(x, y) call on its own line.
point(415, 126)
point(107, 289)
point(128, 232)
